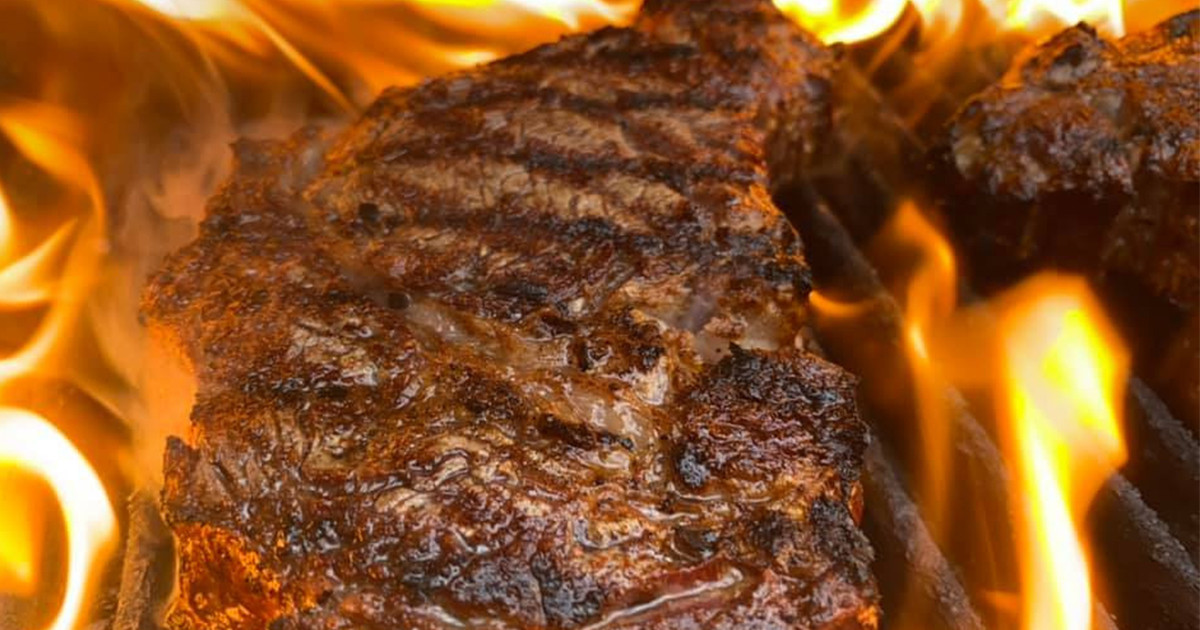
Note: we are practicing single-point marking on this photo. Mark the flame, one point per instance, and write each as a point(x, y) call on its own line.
point(1063, 375)
point(1057, 370)
point(1047, 355)
point(353, 49)
point(849, 22)
point(348, 35)
point(835, 22)
point(52, 275)
point(32, 444)
point(928, 300)
point(1107, 15)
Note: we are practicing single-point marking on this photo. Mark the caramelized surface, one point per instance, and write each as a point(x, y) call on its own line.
point(523, 347)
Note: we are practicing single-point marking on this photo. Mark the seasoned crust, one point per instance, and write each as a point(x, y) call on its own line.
point(1087, 155)
point(445, 357)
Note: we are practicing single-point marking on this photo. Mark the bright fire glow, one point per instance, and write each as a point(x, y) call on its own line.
point(1064, 374)
point(852, 21)
point(1108, 15)
point(1048, 357)
point(53, 275)
point(193, 9)
point(1059, 383)
point(836, 22)
point(29, 442)
point(287, 24)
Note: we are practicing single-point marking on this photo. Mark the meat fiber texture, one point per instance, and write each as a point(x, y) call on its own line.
point(523, 347)
point(1086, 156)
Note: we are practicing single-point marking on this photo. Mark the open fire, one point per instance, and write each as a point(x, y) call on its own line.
point(1043, 358)
point(1046, 355)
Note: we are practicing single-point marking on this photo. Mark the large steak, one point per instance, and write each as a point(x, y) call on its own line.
point(522, 347)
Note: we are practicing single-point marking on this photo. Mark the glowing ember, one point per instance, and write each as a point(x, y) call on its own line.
point(1063, 377)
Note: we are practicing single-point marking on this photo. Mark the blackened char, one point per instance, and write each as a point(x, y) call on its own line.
point(522, 348)
point(1086, 156)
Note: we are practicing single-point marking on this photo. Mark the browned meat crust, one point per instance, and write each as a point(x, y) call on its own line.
point(523, 348)
point(1086, 156)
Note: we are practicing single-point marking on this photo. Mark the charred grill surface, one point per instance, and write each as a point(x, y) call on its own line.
point(1086, 156)
point(523, 347)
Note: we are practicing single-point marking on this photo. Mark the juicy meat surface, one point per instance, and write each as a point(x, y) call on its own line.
point(523, 347)
point(1086, 156)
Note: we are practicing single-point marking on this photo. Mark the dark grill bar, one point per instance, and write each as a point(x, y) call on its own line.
point(913, 573)
point(146, 572)
point(1164, 464)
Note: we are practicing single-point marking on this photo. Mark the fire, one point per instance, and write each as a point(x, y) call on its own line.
point(1063, 375)
point(1108, 15)
point(323, 40)
point(31, 444)
point(928, 299)
point(835, 22)
point(1048, 357)
point(849, 22)
point(353, 49)
point(52, 275)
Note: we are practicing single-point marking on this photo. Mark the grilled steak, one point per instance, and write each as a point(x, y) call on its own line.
point(1086, 156)
point(522, 347)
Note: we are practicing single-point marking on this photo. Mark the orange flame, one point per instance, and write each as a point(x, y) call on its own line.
point(1045, 352)
point(1063, 373)
point(29, 443)
point(929, 299)
point(1107, 15)
point(347, 45)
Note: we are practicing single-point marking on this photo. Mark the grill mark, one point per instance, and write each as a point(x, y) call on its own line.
point(610, 62)
point(509, 218)
point(465, 125)
point(519, 232)
point(573, 166)
point(539, 195)
point(486, 95)
point(625, 51)
point(521, 236)
point(514, 229)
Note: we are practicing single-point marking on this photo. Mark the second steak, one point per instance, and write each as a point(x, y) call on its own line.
point(1086, 157)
